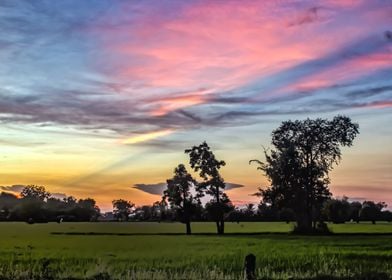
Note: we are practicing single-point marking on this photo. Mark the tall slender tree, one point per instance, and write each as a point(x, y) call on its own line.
point(180, 197)
point(203, 160)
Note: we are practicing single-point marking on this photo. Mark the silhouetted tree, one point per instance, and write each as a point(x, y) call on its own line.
point(156, 211)
point(35, 204)
point(36, 192)
point(371, 211)
point(122, 208)
point(267, 212)
point(305, 151)
point(7, 202)
point(31, 206)
point(54, 208)
point(86, 210)
point(70, 201)
point(236, 215)
point(29, 209)
point(386, 216)
point(203, 160)
point(337, 210)
point(179, 196)
point(355, 209)
point(250, 209)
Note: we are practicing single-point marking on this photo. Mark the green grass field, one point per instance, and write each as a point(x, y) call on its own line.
point(161, 251)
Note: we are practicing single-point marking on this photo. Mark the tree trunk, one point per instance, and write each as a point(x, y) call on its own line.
point(188, 228)
point(304, 224)
point(220, 227)
point(217, 227)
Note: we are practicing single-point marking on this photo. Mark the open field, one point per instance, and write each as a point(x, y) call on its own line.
point(160, 251)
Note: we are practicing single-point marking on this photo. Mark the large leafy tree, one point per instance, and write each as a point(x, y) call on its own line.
point(337, 210)
point(371, 211)
point(179, 195)
point(32, 204)
point(203, 160)
point(86, 210)
point(35, 192)
point(298, 166)
point(122, 208)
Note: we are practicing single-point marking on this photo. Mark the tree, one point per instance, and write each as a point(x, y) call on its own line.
point(32, 205)
point(386, 216)
point(298, 166)
point(179, 196)
point(371, 211)
point(267, 212)
point(122, 208)
point(7, 202)
point(203, 160)
point(86, 210)
point(337, 210)
point(249, 210)
point(36, 192)
point(355, 209)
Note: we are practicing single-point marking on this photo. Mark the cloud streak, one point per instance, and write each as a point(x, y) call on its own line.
point(158, 188)
point(13, 188)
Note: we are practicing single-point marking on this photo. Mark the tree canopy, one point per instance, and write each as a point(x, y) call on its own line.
point(36, 192)
point(122, 208)
point(180, 197)
point(298, 166)
point(203, 160)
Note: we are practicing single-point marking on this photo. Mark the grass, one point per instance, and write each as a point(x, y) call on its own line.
point(160, 251)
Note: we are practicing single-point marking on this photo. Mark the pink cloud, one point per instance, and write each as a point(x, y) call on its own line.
point(378, 104)
point(226, 45)
point(348, 70)
point(168, 104)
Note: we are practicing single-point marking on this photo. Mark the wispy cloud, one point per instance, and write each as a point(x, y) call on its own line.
point(147, 136)
point(13, 188)
point(188, 71)
point(158, 188)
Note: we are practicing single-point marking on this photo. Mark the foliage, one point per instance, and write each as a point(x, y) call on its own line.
point(7, 202)
point(122, 208)
point(35, 192)
point(178, 194)
point(371, 211)
point(37, 205)
point(298, 166)
point(203, 160)
point(337, 210)
point(355, 208)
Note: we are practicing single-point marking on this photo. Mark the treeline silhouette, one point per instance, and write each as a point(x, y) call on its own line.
point(35, 204)
point(297, 167)
point(334, 210)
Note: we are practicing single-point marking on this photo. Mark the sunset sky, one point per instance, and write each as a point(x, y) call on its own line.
point(100, 98)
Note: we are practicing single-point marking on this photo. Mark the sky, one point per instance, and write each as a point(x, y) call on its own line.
point(100, 98)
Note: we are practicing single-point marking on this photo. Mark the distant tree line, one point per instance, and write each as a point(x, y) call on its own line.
point(334, 210)
point(36, 204)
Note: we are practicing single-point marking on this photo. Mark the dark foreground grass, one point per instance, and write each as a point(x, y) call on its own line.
point(123, 251)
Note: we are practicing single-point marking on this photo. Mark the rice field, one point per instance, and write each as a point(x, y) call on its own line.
point(162, 251)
